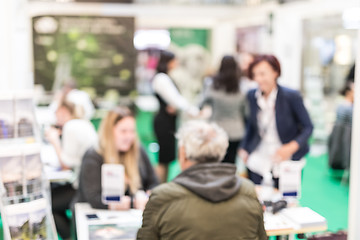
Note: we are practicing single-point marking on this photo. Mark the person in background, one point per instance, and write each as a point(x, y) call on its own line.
point(246, 84)
point(188, 75)
point(77, 135)
point(227, 104)
point(207, 200)
point(118, 144)
point(339, 143)
point(351, 75)
point(279, 125)
point(70, 93)
point(170, 101)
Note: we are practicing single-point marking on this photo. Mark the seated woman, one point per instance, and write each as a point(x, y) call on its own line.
point(77, 135)
point(118, 144)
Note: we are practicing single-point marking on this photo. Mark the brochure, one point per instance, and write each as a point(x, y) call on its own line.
point(7, 118)
point(11, 173)
point(27, 220)
point(112, 182)
point(25, 118)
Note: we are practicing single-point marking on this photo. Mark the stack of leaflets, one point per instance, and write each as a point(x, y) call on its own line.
point(275, 222)
point(304, 217)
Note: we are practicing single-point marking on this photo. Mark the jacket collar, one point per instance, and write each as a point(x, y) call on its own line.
point(270, 101)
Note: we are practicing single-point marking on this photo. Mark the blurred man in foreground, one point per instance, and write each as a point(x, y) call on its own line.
point(207, 200)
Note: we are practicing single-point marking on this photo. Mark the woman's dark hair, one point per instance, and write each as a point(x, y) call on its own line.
point(228, 76)
point(349, 86)
point(165, 58)
point(351, 74)
point(271, 59)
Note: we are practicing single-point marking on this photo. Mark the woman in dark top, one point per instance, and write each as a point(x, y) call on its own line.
point(117, 144)
point(170, 101)
point(227, 104)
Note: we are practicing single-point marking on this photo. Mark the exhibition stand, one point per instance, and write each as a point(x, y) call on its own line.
point(25, 195)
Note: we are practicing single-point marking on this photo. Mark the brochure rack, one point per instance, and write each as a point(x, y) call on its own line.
point(25, 192)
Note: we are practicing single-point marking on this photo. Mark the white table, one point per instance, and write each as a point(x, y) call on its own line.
point(104, 224)
point(111, 221)
point(290, 222)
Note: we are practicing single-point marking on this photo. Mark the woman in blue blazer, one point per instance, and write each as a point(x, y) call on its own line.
point(278, 127)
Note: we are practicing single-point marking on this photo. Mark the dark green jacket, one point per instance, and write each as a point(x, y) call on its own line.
point(207, 201)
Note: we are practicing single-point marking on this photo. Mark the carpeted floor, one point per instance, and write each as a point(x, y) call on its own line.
point(326, 192)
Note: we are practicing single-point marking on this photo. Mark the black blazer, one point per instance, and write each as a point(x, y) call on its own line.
point(292, 121)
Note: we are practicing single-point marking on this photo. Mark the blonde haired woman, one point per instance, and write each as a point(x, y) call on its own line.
point(118, 144)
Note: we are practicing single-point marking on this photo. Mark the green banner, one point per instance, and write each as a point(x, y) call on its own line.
point(185, 36)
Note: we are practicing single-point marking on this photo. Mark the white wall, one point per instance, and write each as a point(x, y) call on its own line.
point(223, 37)
point(287, 42)
point(354, 197)
point(5, 29)
point(15, 47)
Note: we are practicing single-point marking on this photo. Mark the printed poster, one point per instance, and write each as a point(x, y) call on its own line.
point(96, 52)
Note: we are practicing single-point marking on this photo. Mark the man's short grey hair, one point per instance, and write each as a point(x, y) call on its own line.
point(203, 142)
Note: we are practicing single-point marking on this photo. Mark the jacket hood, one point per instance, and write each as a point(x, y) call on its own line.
point(214, 182)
